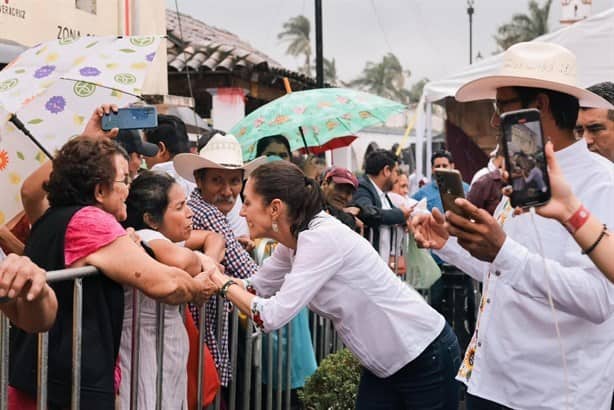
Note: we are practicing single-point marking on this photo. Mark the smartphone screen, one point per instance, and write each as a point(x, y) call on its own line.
point(523, 144)
point(131, 118)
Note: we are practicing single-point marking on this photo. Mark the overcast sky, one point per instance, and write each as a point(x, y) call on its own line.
point(430, 37)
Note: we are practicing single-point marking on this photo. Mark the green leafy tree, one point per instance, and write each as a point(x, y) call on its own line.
point(296, 33)
point(385, 78)
point(524, 27)
point(330, 71)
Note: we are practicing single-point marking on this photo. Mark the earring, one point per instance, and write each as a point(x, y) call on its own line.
point(275, 227)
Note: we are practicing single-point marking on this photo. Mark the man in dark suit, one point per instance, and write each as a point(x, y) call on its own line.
point(376, 210)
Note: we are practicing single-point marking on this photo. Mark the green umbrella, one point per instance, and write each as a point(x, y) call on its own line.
point(312, 118)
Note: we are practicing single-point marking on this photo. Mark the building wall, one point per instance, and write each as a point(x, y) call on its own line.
point(29, 22)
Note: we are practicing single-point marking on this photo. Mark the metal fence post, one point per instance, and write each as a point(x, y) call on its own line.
point(4, 358)
point(288, 365)
point(269, 386)
point(201, 359)
point(221, 316)
point(234, 346)
point(247, 376)
point(41, 377)
point(280, 368)
point(257, 354)
point(160, 316)
point(135, 346)
point(77, 315)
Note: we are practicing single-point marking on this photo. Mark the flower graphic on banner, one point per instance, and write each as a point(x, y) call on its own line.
point(150, 56)
point(89, 71)
point(56, 104)
point(44, 71)
point(83, 89)
point(125, 78)
point(14, 178)
point(4, 159)
point(8, 84)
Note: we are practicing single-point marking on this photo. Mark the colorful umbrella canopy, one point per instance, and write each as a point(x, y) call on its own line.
point(53, 88)
point(323, 114)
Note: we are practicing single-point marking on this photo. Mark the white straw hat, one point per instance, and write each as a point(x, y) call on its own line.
point(533, 64)
point(221, 152)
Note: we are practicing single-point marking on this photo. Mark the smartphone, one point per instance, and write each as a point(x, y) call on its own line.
point(450, 186)
point(525, 158)
point(131, 118)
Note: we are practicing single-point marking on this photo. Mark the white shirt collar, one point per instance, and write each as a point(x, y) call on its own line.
point(379, 191)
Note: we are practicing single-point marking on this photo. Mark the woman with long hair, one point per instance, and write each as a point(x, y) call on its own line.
point(408, 352)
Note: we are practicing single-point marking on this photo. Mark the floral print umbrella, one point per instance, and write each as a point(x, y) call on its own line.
point(53, 88)
point(322, 114)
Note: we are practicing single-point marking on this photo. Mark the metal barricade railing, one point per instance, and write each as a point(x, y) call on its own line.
point(249, 388)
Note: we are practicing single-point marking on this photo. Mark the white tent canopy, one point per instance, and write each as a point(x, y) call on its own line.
point(591, 40)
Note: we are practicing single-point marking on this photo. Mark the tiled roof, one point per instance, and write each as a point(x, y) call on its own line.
point(207, 48)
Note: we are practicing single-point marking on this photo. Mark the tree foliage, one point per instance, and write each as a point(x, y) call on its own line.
point(296, 33)
point(334, 385)
point(524, 27)
point(385, 78)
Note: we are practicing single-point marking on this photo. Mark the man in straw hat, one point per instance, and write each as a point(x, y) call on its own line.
point(218, 171)
point(525, 354)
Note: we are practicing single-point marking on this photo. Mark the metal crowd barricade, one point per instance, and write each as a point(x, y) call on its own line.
point(248, 388)
point(77, 275)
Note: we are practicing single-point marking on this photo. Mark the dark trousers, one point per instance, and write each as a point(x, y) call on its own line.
point(427, 382)
point(478, 403)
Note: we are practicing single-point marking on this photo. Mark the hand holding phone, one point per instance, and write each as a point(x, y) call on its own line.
point(525, 158)
point(131, 118)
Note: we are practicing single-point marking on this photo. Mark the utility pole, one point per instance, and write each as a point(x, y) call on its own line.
point(319, 48)
point(470, 10)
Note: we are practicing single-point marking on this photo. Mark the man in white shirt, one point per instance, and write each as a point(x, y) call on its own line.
point(525, 354)
point(171, 138)
point(376, 210)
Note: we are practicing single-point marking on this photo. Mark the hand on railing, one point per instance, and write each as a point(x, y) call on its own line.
point(22, 278)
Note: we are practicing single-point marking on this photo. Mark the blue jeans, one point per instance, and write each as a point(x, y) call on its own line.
point(427, 382)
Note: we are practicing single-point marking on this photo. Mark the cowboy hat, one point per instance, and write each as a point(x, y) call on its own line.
point(533, 64)
point(221, 152)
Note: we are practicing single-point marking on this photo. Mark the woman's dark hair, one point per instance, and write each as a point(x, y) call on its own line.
point(285, 181)
point(264, 143)
point(563, 107)
point(148, 195)
point(81, 164)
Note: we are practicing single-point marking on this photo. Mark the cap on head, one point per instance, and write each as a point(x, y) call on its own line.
point(131, 141)
point(341, 175)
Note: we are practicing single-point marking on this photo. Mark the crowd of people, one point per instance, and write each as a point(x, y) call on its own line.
point(184, 229)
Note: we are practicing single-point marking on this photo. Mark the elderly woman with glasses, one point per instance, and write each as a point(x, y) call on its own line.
point(86, 193)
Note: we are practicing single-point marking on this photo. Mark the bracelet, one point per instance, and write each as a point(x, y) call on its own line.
point(225, 286)
point(577, 219)
point(603, 233)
